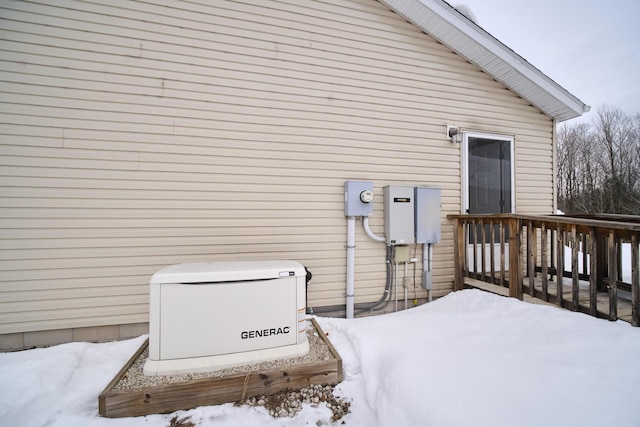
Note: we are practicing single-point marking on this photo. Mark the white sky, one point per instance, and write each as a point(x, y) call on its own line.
point(589, 47)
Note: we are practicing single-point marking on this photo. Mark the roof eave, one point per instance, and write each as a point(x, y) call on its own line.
point(440, 20)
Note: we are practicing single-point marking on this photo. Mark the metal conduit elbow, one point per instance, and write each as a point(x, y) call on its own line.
point(365, 223)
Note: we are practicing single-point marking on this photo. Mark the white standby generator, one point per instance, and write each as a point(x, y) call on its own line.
point(209, 316)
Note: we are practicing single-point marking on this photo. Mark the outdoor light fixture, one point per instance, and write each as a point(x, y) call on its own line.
point(454, 134)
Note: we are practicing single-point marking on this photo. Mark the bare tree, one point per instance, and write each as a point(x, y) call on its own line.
point(570, 164)
point(599, 164)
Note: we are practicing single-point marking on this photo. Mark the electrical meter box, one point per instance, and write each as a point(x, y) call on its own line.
point(399, 215)
point(427, 214)
point(358, 196)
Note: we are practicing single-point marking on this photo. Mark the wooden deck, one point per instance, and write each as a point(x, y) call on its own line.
point(623, 301)
point(470, 283)
point(522, 256)
point(603, 304)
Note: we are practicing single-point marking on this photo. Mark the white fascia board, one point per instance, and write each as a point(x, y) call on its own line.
point(438, 19)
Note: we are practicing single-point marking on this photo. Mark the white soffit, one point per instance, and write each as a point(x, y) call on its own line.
point(440, 20)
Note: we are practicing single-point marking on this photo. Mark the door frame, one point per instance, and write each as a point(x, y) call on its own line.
point(465, 195)
point(465, 165)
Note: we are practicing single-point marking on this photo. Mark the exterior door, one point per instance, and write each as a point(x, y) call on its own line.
point(488, 188)
point(489, 175)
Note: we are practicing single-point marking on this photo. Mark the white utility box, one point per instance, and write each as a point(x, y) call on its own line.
point(399, 215)
point(209, 316)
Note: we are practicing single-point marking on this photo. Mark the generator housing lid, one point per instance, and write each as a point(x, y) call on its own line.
point(230, 271)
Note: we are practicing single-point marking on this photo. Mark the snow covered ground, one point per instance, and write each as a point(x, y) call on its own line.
point(468, 359)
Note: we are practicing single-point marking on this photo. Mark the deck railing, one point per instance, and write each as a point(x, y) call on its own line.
point(585, 264)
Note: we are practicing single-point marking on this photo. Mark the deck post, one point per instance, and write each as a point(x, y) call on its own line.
point(552, 253)
point(601, 267)
point(635, 281)
point(515, 254)
point(458, 250)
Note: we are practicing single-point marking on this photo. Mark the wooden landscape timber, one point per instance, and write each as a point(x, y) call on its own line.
point(166, 398)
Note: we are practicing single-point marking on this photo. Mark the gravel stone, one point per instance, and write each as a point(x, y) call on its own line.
point(288, 404)
point(135, 378)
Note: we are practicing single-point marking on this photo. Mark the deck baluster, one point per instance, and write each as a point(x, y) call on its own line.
point(492, 239)
point(475, 252)
point(531, 256)
point(502, 255)
point(593, 272)
point(575, 273)
point(483, 250)
point(560, 262)
point(544, 261)
point(613, 274)
point(459, 230)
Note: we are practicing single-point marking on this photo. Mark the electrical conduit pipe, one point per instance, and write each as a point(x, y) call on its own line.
point(365, 224)
point(351, 257)
point(426, 265)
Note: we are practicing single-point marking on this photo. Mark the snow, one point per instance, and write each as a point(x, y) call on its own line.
point(468, 359)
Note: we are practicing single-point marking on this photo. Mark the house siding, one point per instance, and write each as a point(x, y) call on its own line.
point(134, 136)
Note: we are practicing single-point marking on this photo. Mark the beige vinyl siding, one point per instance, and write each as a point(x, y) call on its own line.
point(136, 135)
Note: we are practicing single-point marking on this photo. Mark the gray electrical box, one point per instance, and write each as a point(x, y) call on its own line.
point(358, 196)
point(427, 214)
point(398, 215)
